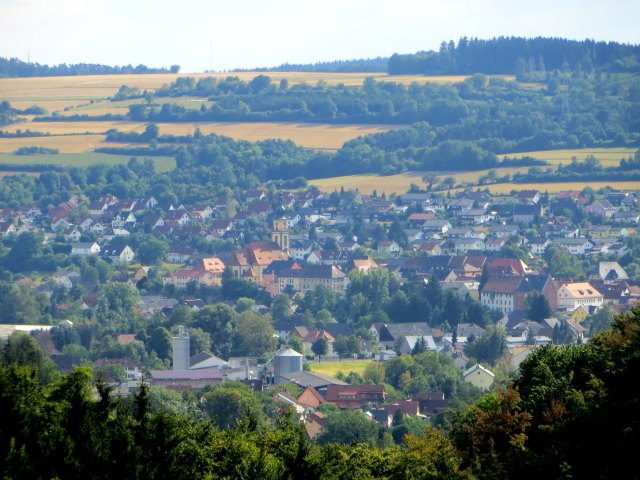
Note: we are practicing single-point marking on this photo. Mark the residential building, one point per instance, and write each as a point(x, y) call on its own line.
point(499, 293)
point(355, 396)
point(84, 249)
point(575, 246)
point(119, 255)
point(602, 208)
point(307, 278)
point(479, 376)
point(574, 295)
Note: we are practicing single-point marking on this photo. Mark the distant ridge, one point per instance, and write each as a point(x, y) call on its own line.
point(378, 64)
point(499, 55)
point(13, 67)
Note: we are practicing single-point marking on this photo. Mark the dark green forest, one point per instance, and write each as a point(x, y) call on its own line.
point(499, 55)
point(571, 413)
point(519, 56)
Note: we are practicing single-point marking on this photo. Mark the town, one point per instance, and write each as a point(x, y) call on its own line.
point(262, 289)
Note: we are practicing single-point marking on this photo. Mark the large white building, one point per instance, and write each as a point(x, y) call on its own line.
point(574, 295)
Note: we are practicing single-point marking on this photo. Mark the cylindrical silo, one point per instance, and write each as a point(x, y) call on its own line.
point(181, 356)
point(286, 361)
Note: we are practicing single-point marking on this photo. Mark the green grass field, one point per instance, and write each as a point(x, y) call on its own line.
point(332, 367)
point(163, 164)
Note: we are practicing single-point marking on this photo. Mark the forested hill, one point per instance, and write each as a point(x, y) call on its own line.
point(519, 56)
point(13, 67)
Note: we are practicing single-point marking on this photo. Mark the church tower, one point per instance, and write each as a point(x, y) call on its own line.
point(280, 233)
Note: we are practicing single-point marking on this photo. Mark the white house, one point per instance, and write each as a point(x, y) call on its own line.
point(118, 256)
point(575, 246)
point(84, 249)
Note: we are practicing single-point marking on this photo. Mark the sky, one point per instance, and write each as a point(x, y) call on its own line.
point(201, 35)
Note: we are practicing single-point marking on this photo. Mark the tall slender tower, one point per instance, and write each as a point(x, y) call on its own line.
point(280, 233)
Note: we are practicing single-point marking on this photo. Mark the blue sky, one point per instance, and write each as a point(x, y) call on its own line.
point(204, 34)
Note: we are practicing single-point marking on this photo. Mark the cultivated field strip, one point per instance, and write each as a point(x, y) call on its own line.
point(311, 135)
point(103, 86)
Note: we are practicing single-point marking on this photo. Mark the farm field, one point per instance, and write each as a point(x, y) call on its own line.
point(607, 156)
point(401, 183)
point(64, 143)
point(89, 95)
point(332, 367)
point(556, 187)
point(163, 164)
point(106, 107)
point(64, 128)
point(366, 184)
point(102, 86)
point(320, 136)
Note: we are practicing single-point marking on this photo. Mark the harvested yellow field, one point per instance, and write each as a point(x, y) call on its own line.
point(311, 135)
point(474, 176)
point(64, 143)
point(49, 105)
point(607, 156)
point(366, 184)
point(61, 128)
point(99, 107)
point(401, 183)
point(103, 86)
point(556, 187)
point(105, 107)
point(76, 87)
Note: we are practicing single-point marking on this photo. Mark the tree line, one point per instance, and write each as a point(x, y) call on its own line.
point(571, 413)
point(378, 64)
point(14, 67)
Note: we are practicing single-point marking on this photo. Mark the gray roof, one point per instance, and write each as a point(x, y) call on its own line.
point(287, 352)
point(200, 374)
point(398, 330)
point(413, 339)
point(316, 380)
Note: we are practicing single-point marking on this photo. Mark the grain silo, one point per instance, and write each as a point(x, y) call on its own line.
point(286, 361)
point(181, 355)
